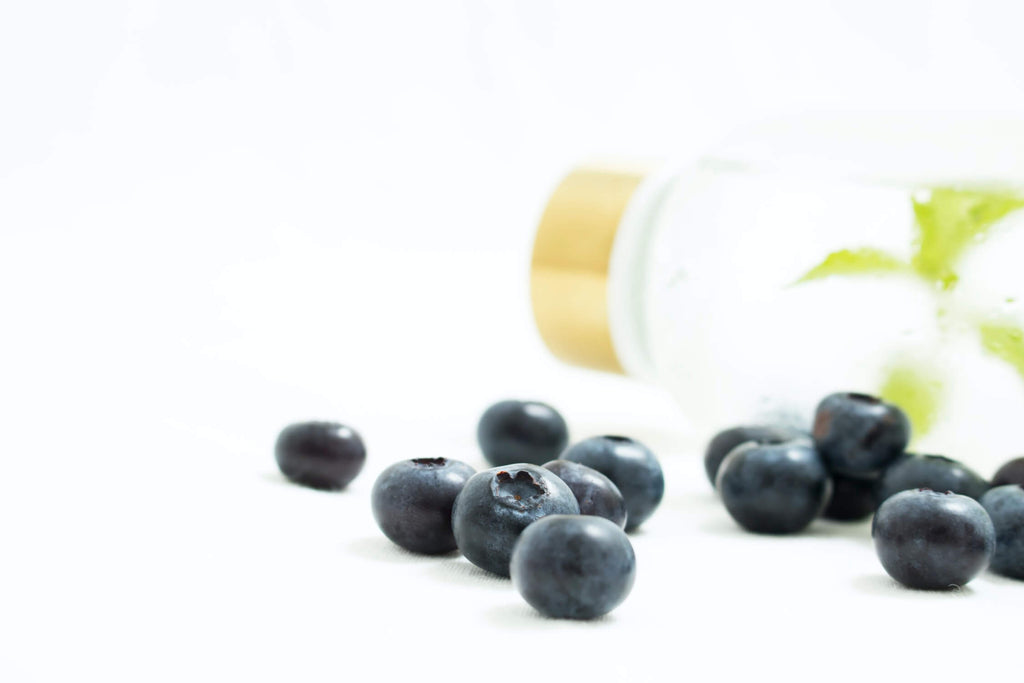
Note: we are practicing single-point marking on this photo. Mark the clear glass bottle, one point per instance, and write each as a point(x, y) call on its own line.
point(803, 259)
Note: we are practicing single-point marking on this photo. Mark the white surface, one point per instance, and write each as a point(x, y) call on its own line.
point(217, 218)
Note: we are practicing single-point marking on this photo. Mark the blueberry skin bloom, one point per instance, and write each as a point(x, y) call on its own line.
point(521, 431)
point(595, 493)
point(859, 435)
point(412, 502)
point(1005, 505)
point(1010, 473)
point(935, 472)
point(931, 540)
point(497, 504)
point(321, 455)
point(573, 566)
point(776, 489)
point(631, 466)
point(723, 443)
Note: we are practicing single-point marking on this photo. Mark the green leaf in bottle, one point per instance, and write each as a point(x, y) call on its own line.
point(856, 262)
point(946, 225)
point(948, 222)
point(1004, 341)
point(916, 389)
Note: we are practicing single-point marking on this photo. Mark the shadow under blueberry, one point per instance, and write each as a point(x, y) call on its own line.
point(382, 550)
point(820, 529)
point(520, 616)
point(882, 584)
point(992, 577)
point(275, 478)
point(455, 569)
point(278, 478)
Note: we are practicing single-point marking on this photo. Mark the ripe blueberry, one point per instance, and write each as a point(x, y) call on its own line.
point(774, 489)
point(521, 431)
point(1005, 505)
point(497, 504)
point(852, 499)
point(595, 493)
point(321, 455)
point(859, 435)
point(723, 443)
point(412, 502)
point(573, 566)
point(931, 540)
point(934, 472)
point(631, 466)
point(1011, 472)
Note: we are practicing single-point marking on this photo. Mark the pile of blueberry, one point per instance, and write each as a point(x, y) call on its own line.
point(553, 519)
point(937, 524)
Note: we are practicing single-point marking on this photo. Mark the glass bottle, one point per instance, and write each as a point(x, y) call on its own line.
point(799, 260)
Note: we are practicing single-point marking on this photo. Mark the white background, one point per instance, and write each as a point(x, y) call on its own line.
point(220, 217)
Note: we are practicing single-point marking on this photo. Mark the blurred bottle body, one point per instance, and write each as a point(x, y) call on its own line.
point(800, 261)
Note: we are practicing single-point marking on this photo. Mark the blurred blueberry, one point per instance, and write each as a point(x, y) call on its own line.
point(631, 466)
point(774, 489)
point(859, 435)
point(852, 500)
point(935, 472)
point(726, 440)
point(1011, 472)
point(521, 431)
point(595, 493)
point(1005, 505)
point(321, 455)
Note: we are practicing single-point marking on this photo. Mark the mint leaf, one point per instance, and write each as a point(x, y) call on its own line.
point(916, 389)
point(1004, 341)
point(856, 262)
point(949, 222)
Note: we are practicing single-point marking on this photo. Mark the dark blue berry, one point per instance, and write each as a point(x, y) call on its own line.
point(595, 493)
point(852, 499)
point(521, 431)
point(1005, 505)
point(774, 489)
point(573, 567)
point(631, 466)
point(412, 502)
point(935, 472)
point(322, 455)
point(1010, 473)
point(497, 504)
point(725, 441)
point(859, 435)
point(931, 540)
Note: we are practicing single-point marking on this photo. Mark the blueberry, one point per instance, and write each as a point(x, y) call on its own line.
point(595, 493)
point(573, 567)
point(497, 504)
point(726, 440)
point(931, 540)
point(321, 455)
point(852, 499)
point(1005, 505)
point(631, 466)
point(934, 472)
point(412, 502)
point(521, 431)
point(1010, 473)
point(859, 435)
point(774, 489)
